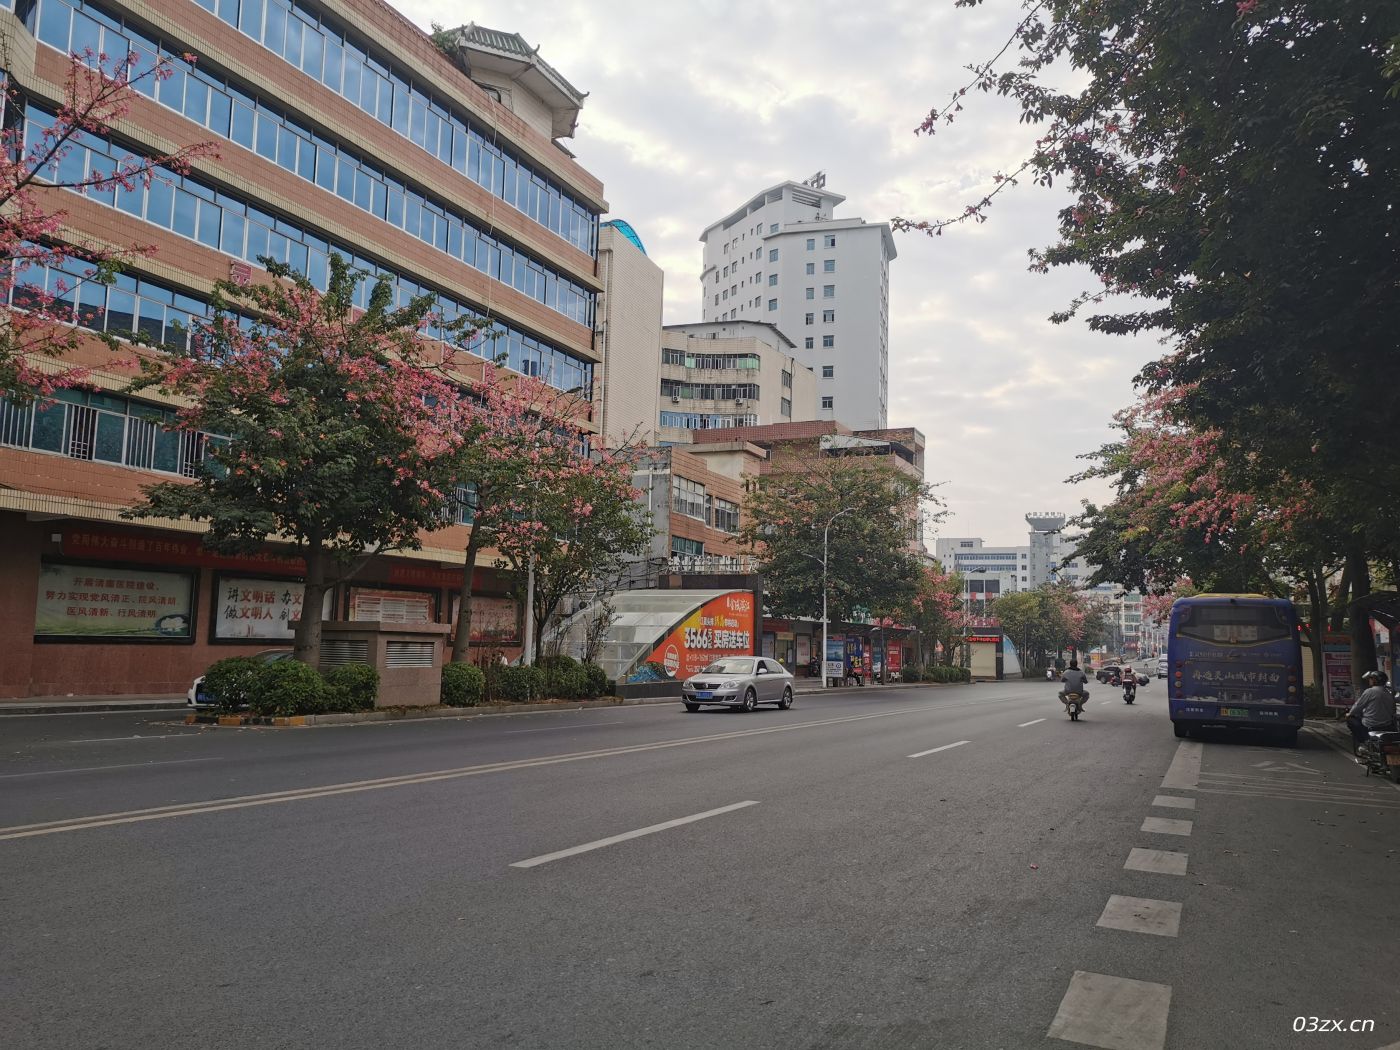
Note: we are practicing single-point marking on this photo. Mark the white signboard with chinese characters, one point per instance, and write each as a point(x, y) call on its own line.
point(78, 601)
point(249, 607)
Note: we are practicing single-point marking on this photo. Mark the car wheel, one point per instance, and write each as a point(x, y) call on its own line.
point(786, 701)
point(1180, 730)
point(750, 700)
point(692, 708)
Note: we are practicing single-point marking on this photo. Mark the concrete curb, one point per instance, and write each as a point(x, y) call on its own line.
point(405, 714)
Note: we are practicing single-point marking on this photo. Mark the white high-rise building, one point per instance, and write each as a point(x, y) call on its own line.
point(784, 259)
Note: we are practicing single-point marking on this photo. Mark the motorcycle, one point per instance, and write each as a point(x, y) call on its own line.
point(1074, 703)
point(1129, 689)
point(1380, 753)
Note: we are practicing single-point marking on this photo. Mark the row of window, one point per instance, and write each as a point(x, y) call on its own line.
point(717, 361)
point(347, 64)
point(104, 428)
point(690, 499)
point(213, 102)
point(828, 342)
point(707, 421)
point(228, 224)
point(828, 241)
point(708, 391)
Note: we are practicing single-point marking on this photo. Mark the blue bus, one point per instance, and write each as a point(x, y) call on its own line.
point(1235, 660)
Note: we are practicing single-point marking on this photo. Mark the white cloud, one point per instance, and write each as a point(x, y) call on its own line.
point(694, 107)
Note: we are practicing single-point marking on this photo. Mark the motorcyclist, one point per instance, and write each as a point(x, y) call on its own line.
point(1130, 684)
point(1075, 681)
point(1374, 708)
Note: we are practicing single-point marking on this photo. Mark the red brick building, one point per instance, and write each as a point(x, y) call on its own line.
point(341, 128)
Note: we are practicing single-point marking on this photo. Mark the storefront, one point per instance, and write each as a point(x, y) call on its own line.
point(98, 608)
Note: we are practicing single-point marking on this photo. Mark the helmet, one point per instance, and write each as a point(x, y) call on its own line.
point(1375, 675)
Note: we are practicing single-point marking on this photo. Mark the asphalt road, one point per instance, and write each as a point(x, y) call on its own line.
point(938, 867)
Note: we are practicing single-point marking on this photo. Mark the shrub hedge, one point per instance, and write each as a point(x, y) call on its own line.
point(232, 682)
point(352, 687)
point(462, 685)
point(289, 687)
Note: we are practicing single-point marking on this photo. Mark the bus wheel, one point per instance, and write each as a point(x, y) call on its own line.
point(1180, 729)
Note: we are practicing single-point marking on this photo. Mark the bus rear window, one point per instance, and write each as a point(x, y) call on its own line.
point(1233, 624)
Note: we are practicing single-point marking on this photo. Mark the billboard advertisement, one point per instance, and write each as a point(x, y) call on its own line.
point(81, 602)
point(722, 626)
point(1336, 670)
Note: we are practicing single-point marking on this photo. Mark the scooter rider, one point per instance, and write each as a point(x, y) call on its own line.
point(1130, 684)
point(1374, 708)
point(1075, 681)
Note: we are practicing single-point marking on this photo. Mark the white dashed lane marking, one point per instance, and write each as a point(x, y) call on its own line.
point(626, 836)
point(1166, 826)
point(1157, 861)
point(1174, 802)
point(1113, 1012)
point(935, 750)
point(1185, 770)
point(1033, 721)
point(1141, 915)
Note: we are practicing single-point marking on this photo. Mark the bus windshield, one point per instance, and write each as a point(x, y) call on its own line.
point(1234, 624)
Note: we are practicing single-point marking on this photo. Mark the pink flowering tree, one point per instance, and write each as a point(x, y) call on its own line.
point(331, 429)
point(532, 490)
point(35, 170)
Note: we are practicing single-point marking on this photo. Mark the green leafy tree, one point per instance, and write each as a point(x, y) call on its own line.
point(333, 426)
point(1233, 174)
point(871, 514)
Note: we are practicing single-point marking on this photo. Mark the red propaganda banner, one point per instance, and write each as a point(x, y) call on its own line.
point(434, 576)
point(723, 626)
point(187, 551)
point(896, 653)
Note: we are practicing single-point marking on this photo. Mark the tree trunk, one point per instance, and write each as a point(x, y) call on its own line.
point(1339, 611)
point(1317, 602)
point(462, 644)
point(1363, 642)
point(306, 639)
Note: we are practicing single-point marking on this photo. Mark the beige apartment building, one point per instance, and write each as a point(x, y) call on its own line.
point(628, 333)
point(719, 375)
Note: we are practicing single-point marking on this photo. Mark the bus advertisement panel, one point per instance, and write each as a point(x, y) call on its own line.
point(1235, 660)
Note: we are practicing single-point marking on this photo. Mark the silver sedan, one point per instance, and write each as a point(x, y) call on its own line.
point(739, 681)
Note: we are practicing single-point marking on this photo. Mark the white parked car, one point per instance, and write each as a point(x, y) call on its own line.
point(739, 681)
point(197, 697)
point(1161, 667)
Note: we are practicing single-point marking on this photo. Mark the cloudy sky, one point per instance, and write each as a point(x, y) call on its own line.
point(695, 106)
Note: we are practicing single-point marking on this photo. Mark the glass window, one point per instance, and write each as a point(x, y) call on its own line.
point(772, 254)
point(828, 291)
point(828, 341)
point(772, 304)
point(811, 244)
point(828, 403)
point(807, 343)
point(828, 371)
point(810, 293)
point(829, 241)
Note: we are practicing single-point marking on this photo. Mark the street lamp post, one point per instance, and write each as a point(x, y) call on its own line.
point(826, 547)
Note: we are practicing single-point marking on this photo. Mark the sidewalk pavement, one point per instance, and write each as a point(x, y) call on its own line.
point(59, 705)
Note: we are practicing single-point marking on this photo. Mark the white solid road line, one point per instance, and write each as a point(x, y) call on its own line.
point(1185, 770)
point(1113, 1012)
point(184, 809)
point(612, 840)
point(935, 750)
point(1032, 722)
point(95, 769)
point(1141, 915)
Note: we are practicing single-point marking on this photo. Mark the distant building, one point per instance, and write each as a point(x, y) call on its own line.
point(695, 503)
point(784, 259)
point(719, 375)
point(628, 337)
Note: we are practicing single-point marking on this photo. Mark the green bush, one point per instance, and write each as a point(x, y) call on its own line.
point(462, 685)
point(517, 685)
point(232, 683)
point(598, 684)
point(289, 687)
point(557, 663)
point(910, 674)
point(352, 687)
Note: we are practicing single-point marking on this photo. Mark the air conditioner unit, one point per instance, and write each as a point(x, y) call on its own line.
point(675, 400)
point(740, 401)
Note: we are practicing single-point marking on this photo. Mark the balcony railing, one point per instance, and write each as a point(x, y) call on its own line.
point(100, 436)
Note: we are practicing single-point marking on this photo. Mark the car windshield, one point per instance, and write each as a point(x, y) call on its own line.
point(729, 667)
